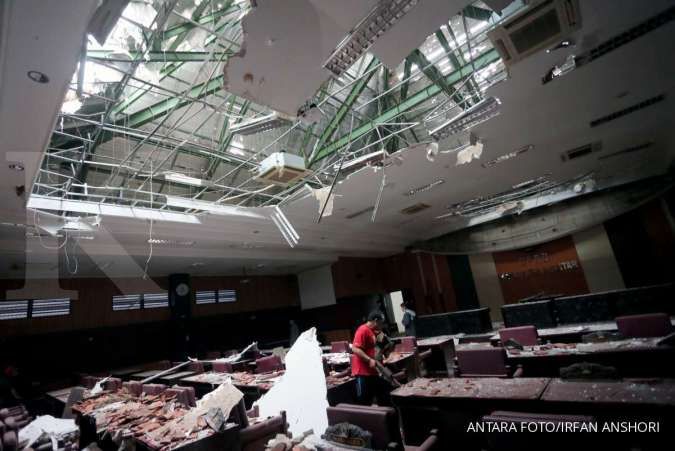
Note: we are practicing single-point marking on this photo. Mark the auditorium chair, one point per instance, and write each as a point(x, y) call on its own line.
point(381, 422)
point(409, 344)
point(222, 367)
point(507, 441)
point(340, 346)
point(644, 326)
point(184, 395)
point(255, 437)
point(112, 384)
point(268, 364)
point(524, 335)
point(9, 441)
point(133, 387)
point(153, 389)
point(483, 362)
point(158, 365)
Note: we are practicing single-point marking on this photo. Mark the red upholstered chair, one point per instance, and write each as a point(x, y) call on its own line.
point(339, 346)
point(133, 387)
point(407, 344)
point(153, 389)
point(256, 436)
point(381, 422)
point(10, 441)
point(15, 411)
point(647, 325)
point(267, 364)
point(525, 335)
point(184, 395)
point(197, 367)
point(222, 367)
point(483, 362)
point(112, 384)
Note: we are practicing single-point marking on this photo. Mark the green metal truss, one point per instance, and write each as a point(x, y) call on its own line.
point(413, 101)
point(435, 75)
point(348, 103)
point(158, 56)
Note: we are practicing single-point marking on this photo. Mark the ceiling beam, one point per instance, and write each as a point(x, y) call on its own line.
point(414, 100)
point(157, 56)
point(435, 75)
point(163, 107)
point(347, 105)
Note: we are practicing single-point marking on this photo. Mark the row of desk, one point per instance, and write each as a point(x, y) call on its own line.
point(451, 404)
point(635, 357)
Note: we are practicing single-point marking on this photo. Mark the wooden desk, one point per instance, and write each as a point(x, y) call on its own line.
point(442, 359)
point(145, 374)
point(173, 378)
point(125, 373)
point(450, 405)
point(646, 392)
point(632, 358)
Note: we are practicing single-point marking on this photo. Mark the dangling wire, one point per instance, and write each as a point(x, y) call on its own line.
point(147, 262)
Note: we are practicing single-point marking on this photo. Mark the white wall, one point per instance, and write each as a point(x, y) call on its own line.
point(597, 260)
point(487, 284)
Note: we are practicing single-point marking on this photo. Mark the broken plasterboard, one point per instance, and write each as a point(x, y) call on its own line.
point(301, 392)
point(280, 64)
point(411, 30)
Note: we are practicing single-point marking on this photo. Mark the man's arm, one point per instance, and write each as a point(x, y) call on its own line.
point(360, 353)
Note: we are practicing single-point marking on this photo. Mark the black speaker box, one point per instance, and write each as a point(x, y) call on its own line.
point(474, 321)
point(584, 308)
point(432, 325)
point(180, 296)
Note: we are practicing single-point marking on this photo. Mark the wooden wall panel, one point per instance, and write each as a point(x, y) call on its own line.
point(93, 308)
point(550, 268)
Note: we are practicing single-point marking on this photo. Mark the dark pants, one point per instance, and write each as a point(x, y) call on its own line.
point(369, 388)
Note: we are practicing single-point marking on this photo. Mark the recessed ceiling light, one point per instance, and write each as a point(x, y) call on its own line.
point(197, 264)
point(16, 167)
point(170, 242)
point(38, 77)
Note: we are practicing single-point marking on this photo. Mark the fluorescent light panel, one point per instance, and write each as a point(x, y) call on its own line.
point(477, 114)
point(259, 125)
point(37, 202)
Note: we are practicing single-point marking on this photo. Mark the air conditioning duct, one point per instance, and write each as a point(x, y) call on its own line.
point(281, 168)
point(540, 26)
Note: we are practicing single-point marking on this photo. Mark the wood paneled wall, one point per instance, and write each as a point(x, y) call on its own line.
point(423, 276)
point(548, 269)
point(93, 308)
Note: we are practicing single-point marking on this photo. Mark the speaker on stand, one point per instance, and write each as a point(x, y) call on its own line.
point(181, 297)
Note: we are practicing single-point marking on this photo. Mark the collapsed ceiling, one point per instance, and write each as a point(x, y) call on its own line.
point(161, 120)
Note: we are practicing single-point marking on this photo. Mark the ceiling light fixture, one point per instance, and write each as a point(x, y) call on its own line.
point(184, 179)
point(423, 188)
point(507, 156)
point(38, 77)
point(380, 19)
point(259, 125)
point(171, 242)
point(211, 207)
point(477, 114)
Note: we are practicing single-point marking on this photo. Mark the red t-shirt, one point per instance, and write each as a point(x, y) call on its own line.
point(365, 339)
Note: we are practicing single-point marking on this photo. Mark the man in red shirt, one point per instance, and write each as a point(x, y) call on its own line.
point(364, 366)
